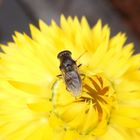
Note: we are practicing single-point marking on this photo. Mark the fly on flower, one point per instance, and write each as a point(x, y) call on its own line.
point(70, 73)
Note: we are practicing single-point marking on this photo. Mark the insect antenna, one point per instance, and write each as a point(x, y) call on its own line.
point(80, 56)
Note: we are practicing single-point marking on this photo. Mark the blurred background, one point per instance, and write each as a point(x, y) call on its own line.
point(121, 15)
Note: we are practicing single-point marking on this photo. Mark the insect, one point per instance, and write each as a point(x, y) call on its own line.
point(70, 73)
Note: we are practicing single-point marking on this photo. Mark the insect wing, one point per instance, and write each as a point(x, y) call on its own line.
point(73, 82)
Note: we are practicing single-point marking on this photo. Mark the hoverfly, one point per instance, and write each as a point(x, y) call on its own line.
point(70, 73)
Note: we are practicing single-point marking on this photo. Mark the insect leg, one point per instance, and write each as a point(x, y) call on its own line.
point(79, 65)
point(82, 76)
point(59, 76)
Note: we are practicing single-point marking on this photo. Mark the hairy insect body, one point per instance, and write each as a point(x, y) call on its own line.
point(70, 73)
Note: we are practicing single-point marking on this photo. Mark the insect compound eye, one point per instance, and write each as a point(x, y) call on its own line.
point(64, 53)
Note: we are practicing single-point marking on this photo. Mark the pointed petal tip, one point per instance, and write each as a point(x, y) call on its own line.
point(84, 19)
point(62, 17)
point(99, 21)
point(40, 22)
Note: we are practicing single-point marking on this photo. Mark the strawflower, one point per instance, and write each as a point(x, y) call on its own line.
point(34, 101)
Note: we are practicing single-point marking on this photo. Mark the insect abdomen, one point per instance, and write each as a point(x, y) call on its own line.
point(73, 82)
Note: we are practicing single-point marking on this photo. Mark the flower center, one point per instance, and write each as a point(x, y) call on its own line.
point(89, 113)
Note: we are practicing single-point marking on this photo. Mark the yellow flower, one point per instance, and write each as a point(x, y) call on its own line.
point(34, 102)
